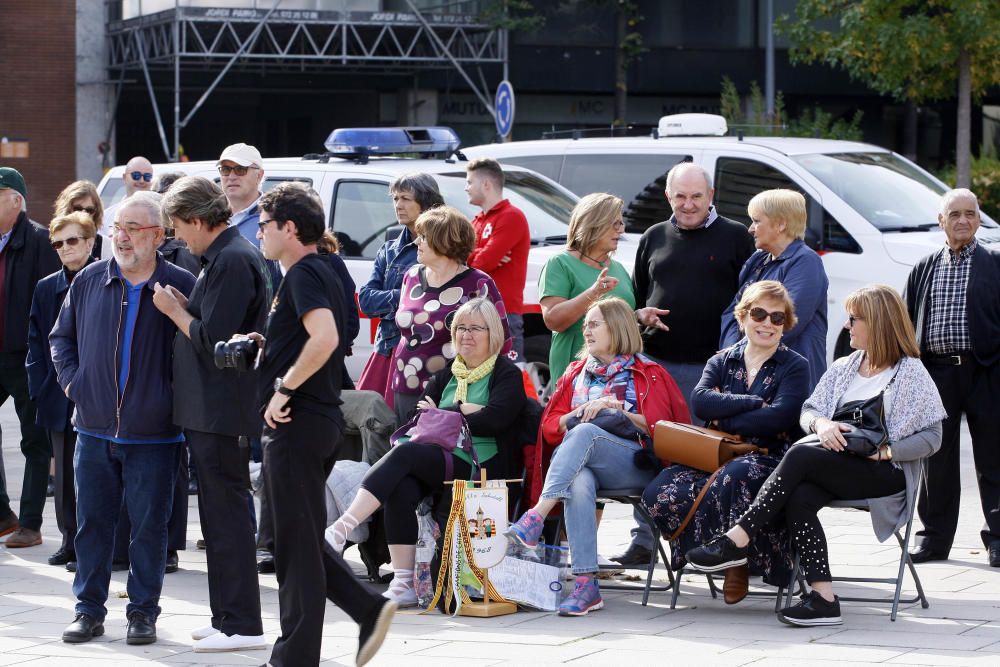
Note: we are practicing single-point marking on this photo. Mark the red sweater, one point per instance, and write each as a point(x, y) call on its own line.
point(501, 231)
point(658, 396)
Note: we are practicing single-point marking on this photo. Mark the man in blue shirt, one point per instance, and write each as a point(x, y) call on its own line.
point(111, 349)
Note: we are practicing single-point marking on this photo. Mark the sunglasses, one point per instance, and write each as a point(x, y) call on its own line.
point(264, 223)
point(139, 176)
point(854, 318)
point(71, 242)
point(89, 210)
point(225, 170)
point(758, 314)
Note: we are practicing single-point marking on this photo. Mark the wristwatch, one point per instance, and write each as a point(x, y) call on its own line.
point(812, 424)
point(280, 387)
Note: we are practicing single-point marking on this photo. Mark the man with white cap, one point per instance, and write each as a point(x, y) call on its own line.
point(242, 170)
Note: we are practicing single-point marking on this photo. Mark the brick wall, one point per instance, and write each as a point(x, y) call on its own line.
point(38, 94)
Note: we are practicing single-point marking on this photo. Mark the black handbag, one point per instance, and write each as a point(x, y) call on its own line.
point(868, 419)
point(613, 421)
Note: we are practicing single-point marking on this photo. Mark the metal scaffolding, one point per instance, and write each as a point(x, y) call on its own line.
point(221, 40)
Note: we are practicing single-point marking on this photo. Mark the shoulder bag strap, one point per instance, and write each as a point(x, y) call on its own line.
point(694, 507)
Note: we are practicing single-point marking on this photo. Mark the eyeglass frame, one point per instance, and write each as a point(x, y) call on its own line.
point(118, 229)
point(89, 210)
point(225, 169)
point(475, 330)
point(142, 176)
point(592, 324)
point(851, 319)
point(777, 317)
point(70, 242)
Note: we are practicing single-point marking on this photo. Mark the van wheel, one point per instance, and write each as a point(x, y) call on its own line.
point(536, 352)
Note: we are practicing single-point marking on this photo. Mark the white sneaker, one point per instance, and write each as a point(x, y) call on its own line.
point(201, 633)
point(220, 642)
point(403, 597)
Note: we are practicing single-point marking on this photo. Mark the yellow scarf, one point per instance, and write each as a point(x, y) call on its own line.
point(465, 376)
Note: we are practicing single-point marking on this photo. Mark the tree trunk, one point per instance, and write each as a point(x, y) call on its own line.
point(963, 139)
point(621, 69)
point(910, 125)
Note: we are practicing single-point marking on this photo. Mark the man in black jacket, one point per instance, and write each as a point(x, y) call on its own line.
point(25, 258)
point(954, 302)
point(218, 406)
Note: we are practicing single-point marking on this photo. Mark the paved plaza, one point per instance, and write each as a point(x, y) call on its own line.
point(961, 627)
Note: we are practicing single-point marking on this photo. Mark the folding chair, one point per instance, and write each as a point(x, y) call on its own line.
point(904, 561)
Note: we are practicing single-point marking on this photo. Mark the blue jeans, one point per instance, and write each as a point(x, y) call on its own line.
point(144, 474)
point(589, 458)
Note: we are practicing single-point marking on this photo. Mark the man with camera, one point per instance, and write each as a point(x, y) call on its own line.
point(300, 379)
point(215, 402)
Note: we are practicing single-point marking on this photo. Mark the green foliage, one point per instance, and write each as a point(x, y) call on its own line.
point(513, 15)
point(905, 48)
point(730, 103)
point(814, 122)
point(985, 183)
point(632, 45)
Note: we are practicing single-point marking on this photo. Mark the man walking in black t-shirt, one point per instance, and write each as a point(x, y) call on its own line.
point(300, 381)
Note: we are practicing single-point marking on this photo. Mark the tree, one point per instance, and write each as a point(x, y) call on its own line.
point(914, 50)
point(628, 48)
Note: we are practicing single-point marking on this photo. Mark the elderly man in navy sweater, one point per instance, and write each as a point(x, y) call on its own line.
point(111, 349)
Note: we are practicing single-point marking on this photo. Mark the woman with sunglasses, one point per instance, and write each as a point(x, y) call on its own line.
point(779, 230)
point(754, 389)
point(72, 237)
point(819, 469)
point(82, 196)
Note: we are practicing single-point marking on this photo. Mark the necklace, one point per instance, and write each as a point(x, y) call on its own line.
point(595, 261)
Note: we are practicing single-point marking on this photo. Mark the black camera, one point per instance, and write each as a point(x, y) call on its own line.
point(240, 355)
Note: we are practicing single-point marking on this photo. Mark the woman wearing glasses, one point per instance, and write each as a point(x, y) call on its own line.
point(600, 417)
point(487, 389)
point(72, 237)
point(754, 389)
point(779, 227)
point(82, 196)
point(820, 469)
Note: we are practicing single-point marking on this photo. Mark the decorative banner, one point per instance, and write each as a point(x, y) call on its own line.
point(486, 520)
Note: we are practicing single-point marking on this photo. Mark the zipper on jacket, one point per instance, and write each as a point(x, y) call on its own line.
point(120, 395)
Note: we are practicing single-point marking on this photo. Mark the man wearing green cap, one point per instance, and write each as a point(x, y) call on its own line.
point(25, 258)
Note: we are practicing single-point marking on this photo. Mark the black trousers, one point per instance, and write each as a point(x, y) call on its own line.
point(176, 527)
point(972, 389)
point(63, 446)
point(401, 479)
point(34, 445)
point(233, 591)
point(298, 457)
point(805, 481)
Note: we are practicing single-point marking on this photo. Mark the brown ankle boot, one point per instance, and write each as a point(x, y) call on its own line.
point(737, 584)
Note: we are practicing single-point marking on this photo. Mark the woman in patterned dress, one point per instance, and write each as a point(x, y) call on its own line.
point(754, 389)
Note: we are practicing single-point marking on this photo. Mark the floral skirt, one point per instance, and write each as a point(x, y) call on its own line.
point(669, 497)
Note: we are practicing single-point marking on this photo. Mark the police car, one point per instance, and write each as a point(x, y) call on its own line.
point(352, 177)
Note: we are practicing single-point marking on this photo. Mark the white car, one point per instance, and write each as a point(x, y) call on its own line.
point(355, 194)
point(872, 212)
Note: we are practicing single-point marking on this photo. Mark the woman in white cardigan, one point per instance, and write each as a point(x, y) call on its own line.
point(819, 468)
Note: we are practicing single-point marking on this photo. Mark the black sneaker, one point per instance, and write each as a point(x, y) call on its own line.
point(719, 553)
point(811, 610)
point(373, 632)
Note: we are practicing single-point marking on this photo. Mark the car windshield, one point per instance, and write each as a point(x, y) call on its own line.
point(546, 206)
point(886, 190)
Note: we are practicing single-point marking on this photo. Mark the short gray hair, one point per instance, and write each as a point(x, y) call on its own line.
point(193, 197)
point(684, 167)
point(423, 187)
point(958, 193)
point(146, 199)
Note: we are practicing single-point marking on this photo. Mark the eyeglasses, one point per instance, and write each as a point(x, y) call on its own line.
point(854, 318)
point(475, 330)
point(264, 223)
point(71, 242)
point(131, 229)
point(225, 170)
point(139, 176)
point(592, 324)
point(89, 210)
point(758, 314)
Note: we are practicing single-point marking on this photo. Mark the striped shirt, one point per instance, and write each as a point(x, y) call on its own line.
point(947, 321)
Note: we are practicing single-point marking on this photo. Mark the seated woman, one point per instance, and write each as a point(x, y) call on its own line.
point(487, 388)
point(810, 476)
point(601, 414)
point(753, 389)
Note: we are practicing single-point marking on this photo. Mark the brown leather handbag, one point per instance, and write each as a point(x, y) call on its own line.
point(697, 447)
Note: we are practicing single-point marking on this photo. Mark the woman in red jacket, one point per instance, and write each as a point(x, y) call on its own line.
point(601, 415)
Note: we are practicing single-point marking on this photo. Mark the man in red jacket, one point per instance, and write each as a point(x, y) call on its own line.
point(502, 242)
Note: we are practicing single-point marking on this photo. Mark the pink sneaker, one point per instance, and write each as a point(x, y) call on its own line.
point(527, 529)
point(586, 596)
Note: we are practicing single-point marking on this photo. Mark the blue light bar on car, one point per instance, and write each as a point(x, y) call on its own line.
point(355, 141)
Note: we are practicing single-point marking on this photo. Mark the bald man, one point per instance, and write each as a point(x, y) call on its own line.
point(138, 176)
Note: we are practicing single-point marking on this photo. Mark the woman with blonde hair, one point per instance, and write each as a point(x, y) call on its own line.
point(820, 468)
point(779, 229)
point(82, 196)
point(601, 415)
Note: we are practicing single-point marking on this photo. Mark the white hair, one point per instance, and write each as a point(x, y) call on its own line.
point(146, 199)
point(682, 168)
point(958, 193)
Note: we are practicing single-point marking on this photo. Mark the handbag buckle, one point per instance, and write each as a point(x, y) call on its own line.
point(956, 359)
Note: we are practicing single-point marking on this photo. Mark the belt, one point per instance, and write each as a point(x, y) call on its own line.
point(956, 359)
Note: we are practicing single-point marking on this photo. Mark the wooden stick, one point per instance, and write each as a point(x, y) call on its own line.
point(509, 481)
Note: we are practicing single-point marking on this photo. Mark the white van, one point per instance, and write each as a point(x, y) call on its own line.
point(355, 193)
point(872, 212)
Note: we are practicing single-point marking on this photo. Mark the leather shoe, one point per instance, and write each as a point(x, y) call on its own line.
point(172, 562)
point(119, 566)
point(71, 566)
point(994, 552)
point(141, 629)
point(266, 565)
point(62, 556)
point(24, 537)
point(737, 584)
point(635, 556)
point(924, 554)
point(9, 524)
point(83, 628)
